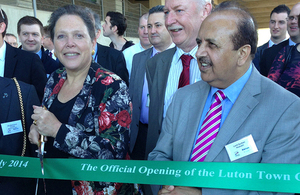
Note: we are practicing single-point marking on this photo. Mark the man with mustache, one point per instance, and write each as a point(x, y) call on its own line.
point(207, 120)
point(177, 67)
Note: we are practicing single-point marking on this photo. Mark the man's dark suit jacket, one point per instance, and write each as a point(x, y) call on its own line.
point(269, 55)
point(13, 144)
point(157, 72)
point(49, 63)
point(139, 62)
point(112, 60)
point(258, 54)
point(26, 67)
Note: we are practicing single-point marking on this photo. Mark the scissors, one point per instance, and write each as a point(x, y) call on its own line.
point(41, 151)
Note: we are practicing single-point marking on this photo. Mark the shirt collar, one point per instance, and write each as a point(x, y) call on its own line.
point(141, 47)
point(154, 51)
point(173, 45)
point(179, 52)
point(291, 42)
point(3, 51)
point(233, 91)
point(271, 43)
point(39, 53)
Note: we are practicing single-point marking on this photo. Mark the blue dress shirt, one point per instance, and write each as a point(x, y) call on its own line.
point(232, 93)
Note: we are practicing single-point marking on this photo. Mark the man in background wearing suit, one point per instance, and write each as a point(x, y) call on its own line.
point(25, 66)
point(165, 72)
point(138, 89)
point(12, 139)
point(278, 29)
point(231, 104)
point(108, 57)
point(30, 32)
point(269, 54)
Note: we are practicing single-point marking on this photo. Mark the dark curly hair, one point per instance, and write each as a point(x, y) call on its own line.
point(76, 10)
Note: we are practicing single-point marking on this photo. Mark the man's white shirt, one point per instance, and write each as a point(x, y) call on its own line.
point(174, 74)
point(2, 58)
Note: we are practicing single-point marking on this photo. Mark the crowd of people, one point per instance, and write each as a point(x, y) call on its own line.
point(195, 83)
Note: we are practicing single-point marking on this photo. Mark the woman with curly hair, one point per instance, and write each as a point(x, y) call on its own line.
point(88, 109)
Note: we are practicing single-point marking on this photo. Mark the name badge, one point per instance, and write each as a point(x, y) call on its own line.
point(241, 148)
point(11, 127)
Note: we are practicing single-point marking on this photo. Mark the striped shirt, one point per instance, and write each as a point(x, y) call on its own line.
point(175, 71)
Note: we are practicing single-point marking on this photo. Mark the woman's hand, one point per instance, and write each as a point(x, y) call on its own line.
point(45, 122)
point(179, 190)
point(33, 135)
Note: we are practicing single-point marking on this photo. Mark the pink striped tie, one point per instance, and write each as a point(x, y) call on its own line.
point(209, 128)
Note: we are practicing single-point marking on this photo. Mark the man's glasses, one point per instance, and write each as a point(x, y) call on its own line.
point(291, 18)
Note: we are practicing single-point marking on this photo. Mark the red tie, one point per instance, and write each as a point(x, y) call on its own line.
point(185, 74)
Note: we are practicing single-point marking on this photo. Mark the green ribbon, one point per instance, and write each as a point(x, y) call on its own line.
point(239, 176)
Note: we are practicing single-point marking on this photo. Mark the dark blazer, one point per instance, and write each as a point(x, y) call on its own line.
point(269, 55)
point(49, 63)
point(112, 60)
point(13, 144)
point(157, 71)
point(136, 90)
point(258, 54)
point(26, 67)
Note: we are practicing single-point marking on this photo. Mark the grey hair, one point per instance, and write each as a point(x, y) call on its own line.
point(202, 3)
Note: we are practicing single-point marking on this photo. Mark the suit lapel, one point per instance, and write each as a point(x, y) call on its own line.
point(194, 112)
point(164, 64)
point(238, 115)
point(141, 71)
point(101, 55)
point(5, 96)
point(10, 61)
